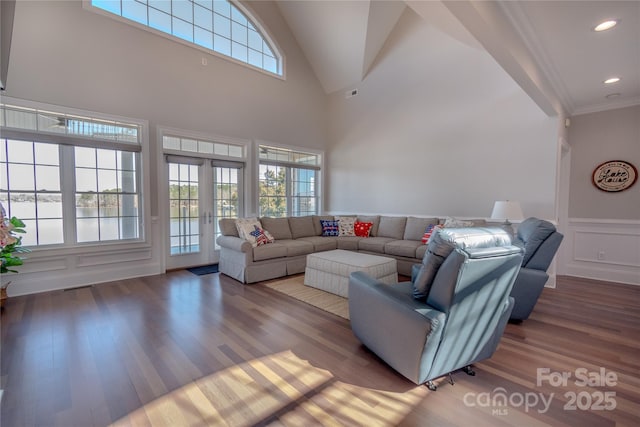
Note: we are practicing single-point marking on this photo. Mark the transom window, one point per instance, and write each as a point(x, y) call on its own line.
point(216, 25)
point(288, 182)
point(206, 148)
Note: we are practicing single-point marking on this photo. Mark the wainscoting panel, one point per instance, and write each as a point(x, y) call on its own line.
point(603, 249)
point(64, 268)
point(114, 257)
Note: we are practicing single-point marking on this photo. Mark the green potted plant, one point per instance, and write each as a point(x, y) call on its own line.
point(10, 246)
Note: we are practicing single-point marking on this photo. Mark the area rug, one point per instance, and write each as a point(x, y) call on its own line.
point(205, 269)
point(295, 288)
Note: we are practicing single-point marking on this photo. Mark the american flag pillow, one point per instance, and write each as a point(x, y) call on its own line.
point(428, 232)
point(259, 237)
point(329, 227)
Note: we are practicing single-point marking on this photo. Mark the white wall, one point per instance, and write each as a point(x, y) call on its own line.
point(602, 238)
point(65, 55)
point(443, 133)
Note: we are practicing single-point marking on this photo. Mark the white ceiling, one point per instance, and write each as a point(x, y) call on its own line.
point(548, 47)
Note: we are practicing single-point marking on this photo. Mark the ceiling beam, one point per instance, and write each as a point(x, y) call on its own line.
point(490, 25)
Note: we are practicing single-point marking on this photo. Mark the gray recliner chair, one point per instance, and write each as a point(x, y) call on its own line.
point(540, 242)
point(451, 314)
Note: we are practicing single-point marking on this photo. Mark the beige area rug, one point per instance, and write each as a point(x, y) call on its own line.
point(295, 288)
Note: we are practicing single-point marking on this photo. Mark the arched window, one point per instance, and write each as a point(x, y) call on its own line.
point(217, 25)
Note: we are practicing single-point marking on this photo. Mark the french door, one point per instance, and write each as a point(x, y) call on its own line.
point(201, 191)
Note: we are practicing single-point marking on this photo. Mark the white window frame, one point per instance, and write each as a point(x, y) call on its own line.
point(251, 17)
point(319, 168)
point(69, 219)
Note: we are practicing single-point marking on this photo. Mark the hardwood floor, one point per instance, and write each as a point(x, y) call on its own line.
point(179, 349)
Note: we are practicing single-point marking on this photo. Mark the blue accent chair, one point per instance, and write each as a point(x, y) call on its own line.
point(462, 316)
point(540, 242)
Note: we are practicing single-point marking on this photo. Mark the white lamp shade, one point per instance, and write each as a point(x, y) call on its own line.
point(507, 209)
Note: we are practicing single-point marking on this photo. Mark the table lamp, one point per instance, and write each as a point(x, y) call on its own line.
point(507, 209)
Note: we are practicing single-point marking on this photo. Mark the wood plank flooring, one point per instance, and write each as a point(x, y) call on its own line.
point(184, 350)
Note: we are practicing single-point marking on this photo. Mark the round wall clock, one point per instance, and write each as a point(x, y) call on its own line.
point(614, 175)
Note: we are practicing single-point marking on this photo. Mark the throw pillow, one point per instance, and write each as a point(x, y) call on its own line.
point(251, 230)
point(345, 225)
point(329, 227)
point(259, 237)
point(362, 229)
point(428, 232)
point(245, 226)
point(454, 222)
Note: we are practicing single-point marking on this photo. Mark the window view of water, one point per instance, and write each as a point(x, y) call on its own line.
point(46, 228)
point(184, 229)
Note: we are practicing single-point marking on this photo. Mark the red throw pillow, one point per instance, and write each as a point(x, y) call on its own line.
point(362, 229)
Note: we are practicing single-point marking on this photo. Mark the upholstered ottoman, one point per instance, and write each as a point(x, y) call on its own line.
point(330, 270)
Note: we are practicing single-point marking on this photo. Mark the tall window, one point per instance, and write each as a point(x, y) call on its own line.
point(30, 189)
point(71, 179)
point(106, 195)
point(184, 209)
point(226, 182)
point(216, 25)
point(288, 182)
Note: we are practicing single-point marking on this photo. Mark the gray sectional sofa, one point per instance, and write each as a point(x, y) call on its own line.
point(398, 237)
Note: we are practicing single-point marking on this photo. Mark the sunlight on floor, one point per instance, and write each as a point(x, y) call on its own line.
point(281, 388)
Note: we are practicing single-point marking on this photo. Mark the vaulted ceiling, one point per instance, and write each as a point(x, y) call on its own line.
point(549, 48)
point(341, 38)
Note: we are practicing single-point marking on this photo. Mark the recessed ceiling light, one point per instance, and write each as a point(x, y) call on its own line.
point(612, 95)
point(612, 80)
point(606, 25)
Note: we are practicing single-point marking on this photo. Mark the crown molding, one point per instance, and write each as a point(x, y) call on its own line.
point(605, 106)
point(515, 12)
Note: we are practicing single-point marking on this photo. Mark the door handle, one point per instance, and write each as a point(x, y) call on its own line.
point(209, 217)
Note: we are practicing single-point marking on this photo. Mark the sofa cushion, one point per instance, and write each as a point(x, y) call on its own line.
point(278, 227)
point(420, 251)
point(301, 226)
point(374, 219)
point(320, 243)
point(330, 227)
point(404, 248)
point(270, 251)
point(392, 226)
point(415, 228)
point(374, 244)
point(296, 247)
point(228, 227)
point(362, 229)
point(317, 225)
point(345, 225)
point(348, 243)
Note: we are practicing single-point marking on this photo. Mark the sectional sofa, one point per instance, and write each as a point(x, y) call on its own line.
point(399, 237)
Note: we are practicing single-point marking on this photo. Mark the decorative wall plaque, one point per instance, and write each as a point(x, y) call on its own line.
point(614, 175)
